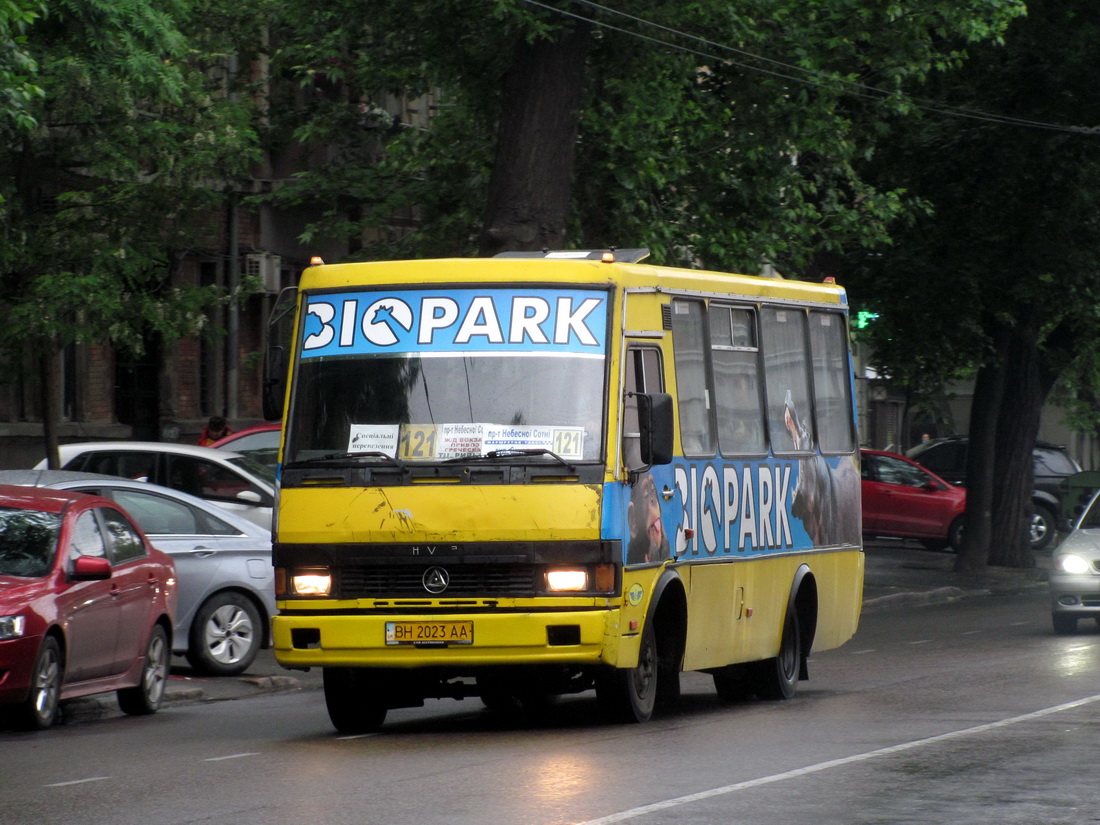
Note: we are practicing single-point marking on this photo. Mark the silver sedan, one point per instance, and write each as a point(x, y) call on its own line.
point(223, 565)
point(1075, 573)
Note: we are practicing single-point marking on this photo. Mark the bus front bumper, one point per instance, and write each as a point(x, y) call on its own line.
point(522, 638)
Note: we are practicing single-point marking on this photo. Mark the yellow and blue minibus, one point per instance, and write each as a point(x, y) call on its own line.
point(543, 473)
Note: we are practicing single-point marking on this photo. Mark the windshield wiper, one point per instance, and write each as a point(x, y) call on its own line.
point(494, 455)
point(358, 454)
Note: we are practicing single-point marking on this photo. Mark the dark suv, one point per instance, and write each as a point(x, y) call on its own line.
point(946, 457)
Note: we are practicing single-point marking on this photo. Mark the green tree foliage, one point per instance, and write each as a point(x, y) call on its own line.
point(129, 144)
point(724, 136)
point(18, 89)
point(1002, 275)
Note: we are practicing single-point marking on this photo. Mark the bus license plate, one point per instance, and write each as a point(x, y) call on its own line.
point(430, 634)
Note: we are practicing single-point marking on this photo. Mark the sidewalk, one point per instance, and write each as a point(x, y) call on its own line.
point(898, 575)
point(902, 574)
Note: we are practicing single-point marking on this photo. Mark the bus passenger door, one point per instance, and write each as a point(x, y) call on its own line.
point(652, 510)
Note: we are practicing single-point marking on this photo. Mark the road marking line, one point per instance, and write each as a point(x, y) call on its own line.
point(634, 813)
point(76, 782)
point(231, 756)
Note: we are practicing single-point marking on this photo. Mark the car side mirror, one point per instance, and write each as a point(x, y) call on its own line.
point(91, 568)
point(251, 496)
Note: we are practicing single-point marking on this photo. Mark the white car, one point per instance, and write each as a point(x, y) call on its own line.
point(223, 565)
point(228, 479)
point(1075, 573)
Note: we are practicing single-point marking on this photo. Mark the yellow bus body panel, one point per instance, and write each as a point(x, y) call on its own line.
point(748, 626)
point(440, 513)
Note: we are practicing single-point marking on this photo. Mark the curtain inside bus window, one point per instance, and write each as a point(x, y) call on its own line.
point(790, 414)
point(832, 381)
point(689, 343)
point(736, 383)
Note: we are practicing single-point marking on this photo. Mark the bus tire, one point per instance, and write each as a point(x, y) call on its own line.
point(496, 694)
point(778, 678)
point(354, 704)
point(630, 694)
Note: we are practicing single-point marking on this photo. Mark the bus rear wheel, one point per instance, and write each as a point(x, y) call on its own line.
point(778, 678)
point(355, 703)
point(630, 694)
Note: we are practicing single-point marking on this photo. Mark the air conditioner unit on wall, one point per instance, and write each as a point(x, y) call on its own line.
point(266, 267)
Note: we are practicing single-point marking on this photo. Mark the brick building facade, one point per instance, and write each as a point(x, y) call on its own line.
point(175, 386)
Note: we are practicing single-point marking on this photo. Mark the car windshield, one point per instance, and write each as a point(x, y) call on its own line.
point(254, 467)
point(437, 375)
point(1053, 462)
point(28, 539)
point(1091, 519)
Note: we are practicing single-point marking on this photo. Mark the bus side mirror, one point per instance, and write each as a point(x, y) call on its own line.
point(655, 426)
point(275, 361)
point(274, 383)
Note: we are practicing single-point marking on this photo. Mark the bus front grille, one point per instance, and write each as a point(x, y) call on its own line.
point(467, 580)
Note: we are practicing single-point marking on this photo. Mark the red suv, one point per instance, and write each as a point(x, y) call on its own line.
point(901, 498)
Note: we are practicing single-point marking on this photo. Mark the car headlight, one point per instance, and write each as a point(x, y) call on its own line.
point(12, 627)
point(1073, 564)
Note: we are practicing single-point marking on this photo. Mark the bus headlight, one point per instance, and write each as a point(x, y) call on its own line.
point(311, 583)
point(566, 581)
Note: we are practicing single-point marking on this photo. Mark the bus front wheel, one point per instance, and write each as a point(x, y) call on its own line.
point(354, 702)
point(778, 678)
point(630, 694)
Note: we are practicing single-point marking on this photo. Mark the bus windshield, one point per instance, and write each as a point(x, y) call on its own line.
point(446, 373)
point(438, 408)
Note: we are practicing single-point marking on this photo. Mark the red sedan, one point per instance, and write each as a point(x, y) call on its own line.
point(86, 605)
point(901, 498)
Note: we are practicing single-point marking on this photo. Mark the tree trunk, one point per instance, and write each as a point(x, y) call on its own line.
point(531, 184)
point(988, 390)
point(1017, 429)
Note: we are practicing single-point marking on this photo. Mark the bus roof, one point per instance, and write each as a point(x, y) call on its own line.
point(543, 270)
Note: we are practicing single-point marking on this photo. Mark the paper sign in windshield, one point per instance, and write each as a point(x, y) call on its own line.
point(456, 440)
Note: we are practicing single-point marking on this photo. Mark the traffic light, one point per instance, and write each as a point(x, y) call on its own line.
point(864, 318)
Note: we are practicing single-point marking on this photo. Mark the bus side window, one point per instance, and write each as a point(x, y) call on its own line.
point(832, 387)
point(692, 394)
point(643, 374)
point(790, 413)
point(733, 354)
